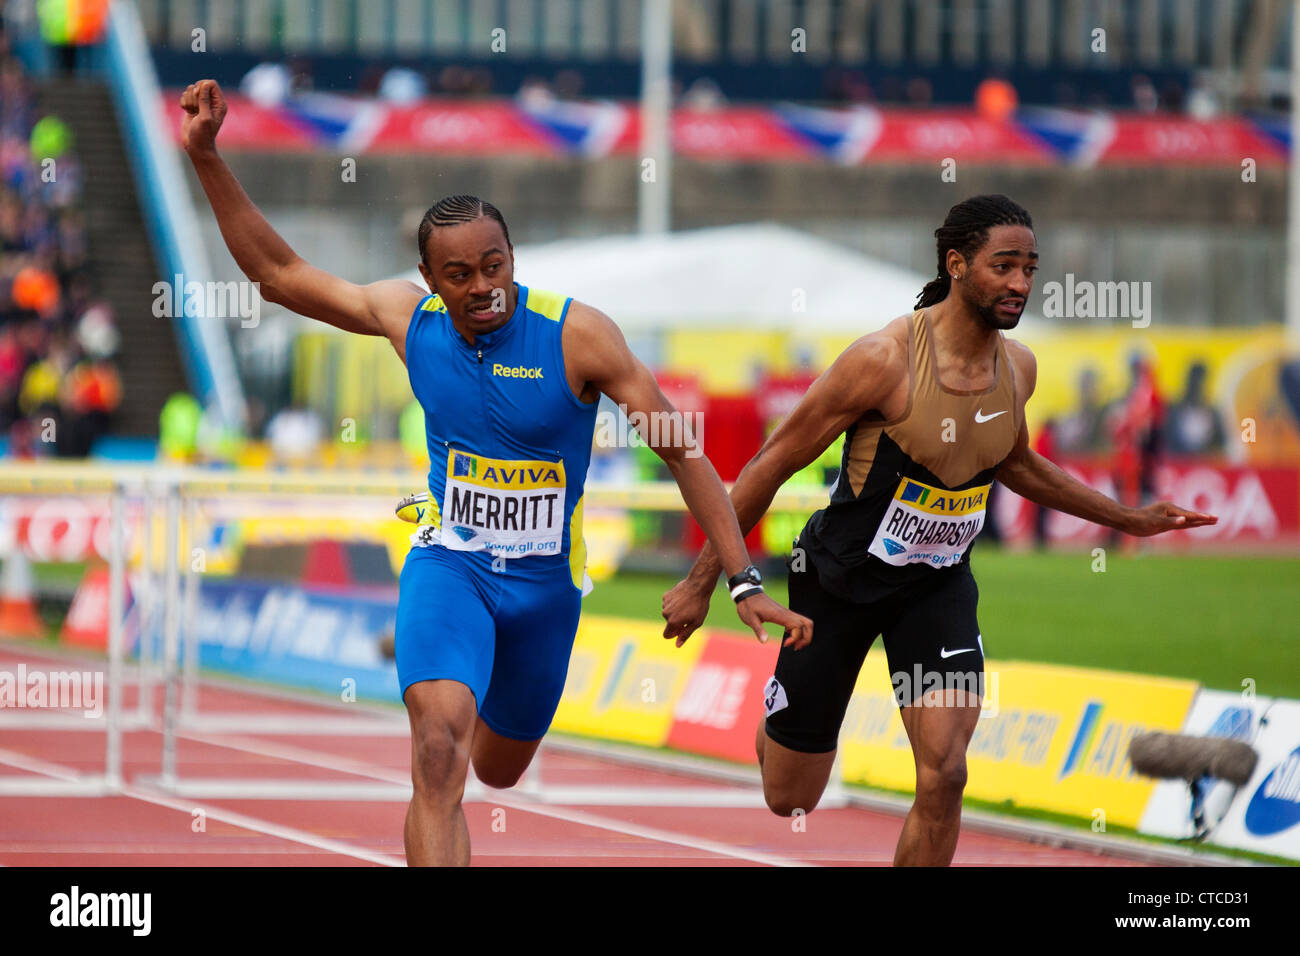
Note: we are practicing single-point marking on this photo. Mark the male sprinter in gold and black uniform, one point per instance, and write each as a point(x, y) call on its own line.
point(932, 410)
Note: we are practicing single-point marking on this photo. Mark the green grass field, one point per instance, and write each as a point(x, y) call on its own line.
point(1217, 620)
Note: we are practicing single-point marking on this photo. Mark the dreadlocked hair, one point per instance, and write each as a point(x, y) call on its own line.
point(967, 229)
point(453, 211)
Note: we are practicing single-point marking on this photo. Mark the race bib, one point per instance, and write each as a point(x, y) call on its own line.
point(929, 525)
point(510, 508)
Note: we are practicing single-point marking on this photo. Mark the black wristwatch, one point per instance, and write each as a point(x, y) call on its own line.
point(745, 584)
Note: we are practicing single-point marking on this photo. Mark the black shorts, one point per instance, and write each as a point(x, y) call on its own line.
point(932, 641)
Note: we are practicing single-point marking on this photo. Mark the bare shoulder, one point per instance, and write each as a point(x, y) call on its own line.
point(1024, 365)
point(879, 356)
point(590, 335)
point(588, 323)
point(595, 352)
point(393, 300)
point(391, 303)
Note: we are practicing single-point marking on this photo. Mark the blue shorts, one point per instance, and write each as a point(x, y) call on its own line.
point(506, 635)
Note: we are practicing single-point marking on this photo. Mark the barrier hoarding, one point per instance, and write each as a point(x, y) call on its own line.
point(1054, 738)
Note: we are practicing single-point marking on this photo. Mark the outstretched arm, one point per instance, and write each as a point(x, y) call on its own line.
point(380, 308)
point(597, 353)
point(859, 381)
point(1032, 476)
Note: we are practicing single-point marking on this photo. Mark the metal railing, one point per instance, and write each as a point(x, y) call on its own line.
point(169, 210)
point(1190, 34)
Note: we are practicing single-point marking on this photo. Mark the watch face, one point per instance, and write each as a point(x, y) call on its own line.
point(748, 576)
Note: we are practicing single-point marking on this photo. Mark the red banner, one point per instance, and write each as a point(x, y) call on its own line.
point(457, 127)
point(56, 529)
point(1142, 140)
point(907, 136)
point(734, 134)
point(543, 125)
point(1254, 505)
point(721, 704)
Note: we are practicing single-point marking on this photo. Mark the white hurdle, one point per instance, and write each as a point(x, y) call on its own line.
point(181, 492)
point(183, 716)
point(44, 778)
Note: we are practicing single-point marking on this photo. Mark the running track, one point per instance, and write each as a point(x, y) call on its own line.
point(594, 809)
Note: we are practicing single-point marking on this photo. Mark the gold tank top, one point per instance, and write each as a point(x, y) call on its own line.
point(913, 491)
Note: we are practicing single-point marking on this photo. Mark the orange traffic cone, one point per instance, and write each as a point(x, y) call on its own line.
point(18, 617)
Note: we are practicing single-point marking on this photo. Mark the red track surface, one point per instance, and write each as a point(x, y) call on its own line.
point(148, 827)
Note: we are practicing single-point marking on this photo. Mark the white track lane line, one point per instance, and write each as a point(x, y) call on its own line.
point(265, 826)
point(652, 833)
point(23, 762)
point(145, 849)
point(311, 758)
point(13, 758)
point(325, 761)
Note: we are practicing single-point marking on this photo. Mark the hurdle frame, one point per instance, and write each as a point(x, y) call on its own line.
point(180, 490)
point(66, 480)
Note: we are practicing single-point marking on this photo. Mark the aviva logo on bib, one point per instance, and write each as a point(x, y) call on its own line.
point(494, 473)
point(939, 502)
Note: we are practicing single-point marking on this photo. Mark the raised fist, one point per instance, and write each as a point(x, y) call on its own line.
point(205, 109)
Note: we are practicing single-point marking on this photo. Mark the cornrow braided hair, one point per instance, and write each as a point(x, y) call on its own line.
point(967, 229)
point(454, 210)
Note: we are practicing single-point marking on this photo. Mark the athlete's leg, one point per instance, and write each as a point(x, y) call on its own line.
point(791, 780)
point(936, 659)
point(500, 761)
point(536, 622)
point(805, 701)
point(442, 715)
point(444, 664)
point(939, 730)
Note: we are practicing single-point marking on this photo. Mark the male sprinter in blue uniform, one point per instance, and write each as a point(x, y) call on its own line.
point(932, 408)
point(509, 379)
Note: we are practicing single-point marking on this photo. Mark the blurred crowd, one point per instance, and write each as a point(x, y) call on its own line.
point(1141, 423)
point(271, 83)
point(1134, 432)
point(1195, 99)
point(59, 387)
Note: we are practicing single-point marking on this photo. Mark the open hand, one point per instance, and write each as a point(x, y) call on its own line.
point(759, 608)
point(1164, 516)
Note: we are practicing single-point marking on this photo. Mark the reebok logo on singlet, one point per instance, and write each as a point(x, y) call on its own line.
point(516, 371)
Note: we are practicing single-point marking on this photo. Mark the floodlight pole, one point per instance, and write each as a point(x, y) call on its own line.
point(654, 197)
